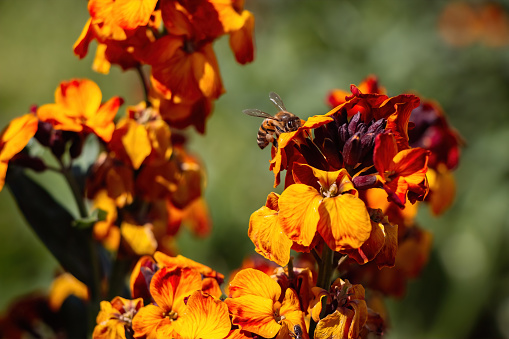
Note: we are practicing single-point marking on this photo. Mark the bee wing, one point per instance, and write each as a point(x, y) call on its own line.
point(257, 113)
point(277, 101)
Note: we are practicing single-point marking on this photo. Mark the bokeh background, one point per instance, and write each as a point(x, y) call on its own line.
point(305, 48)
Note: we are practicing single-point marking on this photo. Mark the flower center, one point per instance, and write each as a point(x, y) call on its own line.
point(171, 315)
point(277, 317)
point(329, 192)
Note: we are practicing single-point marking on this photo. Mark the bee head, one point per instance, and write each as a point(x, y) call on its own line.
point(291, 122)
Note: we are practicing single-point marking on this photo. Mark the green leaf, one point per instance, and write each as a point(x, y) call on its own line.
point(53, 224)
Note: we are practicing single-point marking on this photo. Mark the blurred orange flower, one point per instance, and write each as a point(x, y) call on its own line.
point(78, 108)
point(13, 139)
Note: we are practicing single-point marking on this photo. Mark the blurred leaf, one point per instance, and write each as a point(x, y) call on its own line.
point(96, 215)
point(53, 224)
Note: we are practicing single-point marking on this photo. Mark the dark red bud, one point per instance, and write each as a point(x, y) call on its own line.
point(352, 150)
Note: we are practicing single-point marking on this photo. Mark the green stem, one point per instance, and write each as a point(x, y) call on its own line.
point(144, 84)
point(95, 297)
point(325, 270)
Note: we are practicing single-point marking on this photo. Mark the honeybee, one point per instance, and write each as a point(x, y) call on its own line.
point(297, 332)
point(273, 126)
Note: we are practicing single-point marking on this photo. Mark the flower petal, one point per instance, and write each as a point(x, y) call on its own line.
point(266, 234)
point(254, 313)
point(253, 282)
point(203, 317)
point(148, 319)
point(344, 221)
point(298, 210)
point(17, 135)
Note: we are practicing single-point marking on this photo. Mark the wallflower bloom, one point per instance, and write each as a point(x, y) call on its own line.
point(256, 305)
point(115, 318)
point(326, 202)
point(169, 288)
point(349, 316)
point(78, 108)
point(13, 139)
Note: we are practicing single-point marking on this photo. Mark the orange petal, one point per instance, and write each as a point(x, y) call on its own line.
point(60, 117)
point(140, 238)
point(148, 319)
point(211, 286)
point(3, 172)
point(169, 287)
point(82, 97)
point(181, 261)
point(298, 210)
point(266, 234)
point(203, 317)
point(130, 14)
point(17, 135)
point(80, 47)
point(254, 313)
point(290, 309)
point(64, 286)
point(241, 41)
point(101, 64)
point(384, 152)
point(206, 72)
point(412, 164)
point(251, 282)
point(442, 187)
point(344, 221)
point(136, 143)
point(102, 122)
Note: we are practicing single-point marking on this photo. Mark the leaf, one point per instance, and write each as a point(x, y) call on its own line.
point(53, 224)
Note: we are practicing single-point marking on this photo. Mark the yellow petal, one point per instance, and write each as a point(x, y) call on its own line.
point(140, 238)
point(148, 319)
point(81, 96)
point(254, 283)
point(344, 221)
point(203, 317)
point(269, 239)
point(64, 286)
point(17, 135)
point(298, 210)
point(136, 143)
point(254, 314)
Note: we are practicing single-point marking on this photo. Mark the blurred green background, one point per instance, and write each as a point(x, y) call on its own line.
point(304, 49)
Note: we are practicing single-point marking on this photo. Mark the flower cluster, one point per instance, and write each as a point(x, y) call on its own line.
point(175, 38)
point(353, 179)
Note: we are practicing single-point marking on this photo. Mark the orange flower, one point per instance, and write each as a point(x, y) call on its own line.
point(256, 307)
point(402, 171)
point(13, 139)
point(78, 108)
point(350, 315)
point(203, 317)
point(169, 288)
point(115, 317)
point(326, 202)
